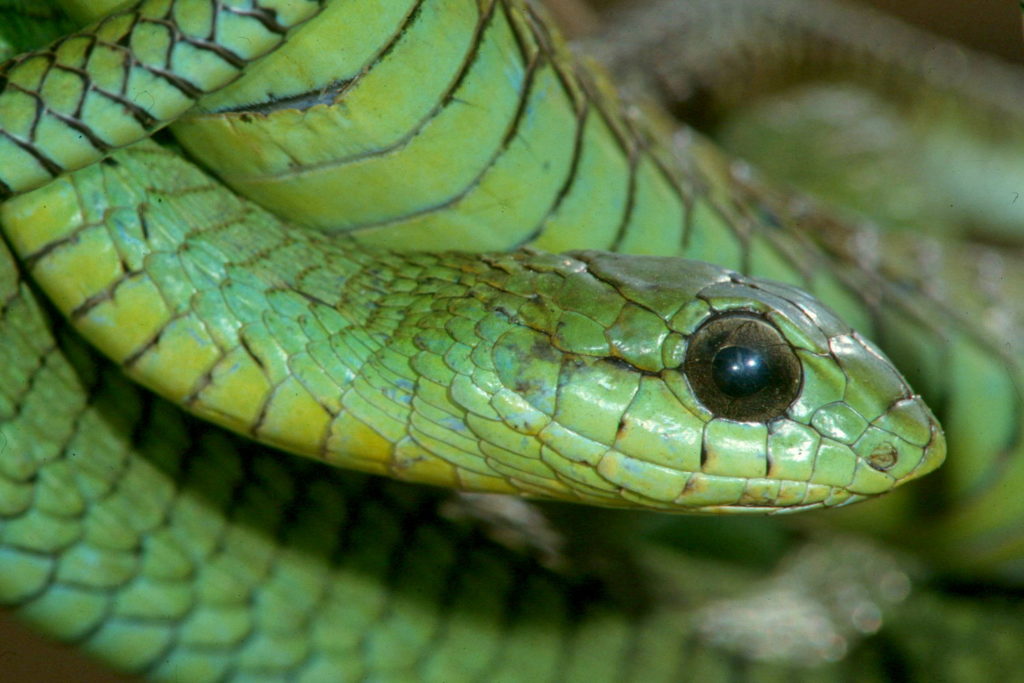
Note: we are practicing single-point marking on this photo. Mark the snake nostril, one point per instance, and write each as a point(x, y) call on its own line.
point(883, 457)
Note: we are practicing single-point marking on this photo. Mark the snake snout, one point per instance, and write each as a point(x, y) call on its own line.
point(903, 444)
point(934, 453)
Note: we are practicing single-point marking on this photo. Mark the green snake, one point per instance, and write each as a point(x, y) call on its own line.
point(592, 376)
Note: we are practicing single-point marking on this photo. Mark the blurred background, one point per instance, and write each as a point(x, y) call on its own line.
point(989, 25)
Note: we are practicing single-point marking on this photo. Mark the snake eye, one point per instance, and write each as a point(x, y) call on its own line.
point(741, 368)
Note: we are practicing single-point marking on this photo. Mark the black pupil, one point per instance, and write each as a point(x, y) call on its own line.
point(740, 371)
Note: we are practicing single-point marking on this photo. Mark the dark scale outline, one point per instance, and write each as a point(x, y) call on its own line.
point(484, 22)
point(266, 17)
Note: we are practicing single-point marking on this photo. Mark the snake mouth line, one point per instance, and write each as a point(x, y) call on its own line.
point(790, 509)
point(777, 499)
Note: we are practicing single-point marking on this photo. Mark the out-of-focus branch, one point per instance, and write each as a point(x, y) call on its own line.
point(720, 52)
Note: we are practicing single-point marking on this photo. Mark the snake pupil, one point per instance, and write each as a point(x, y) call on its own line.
point(740, 371)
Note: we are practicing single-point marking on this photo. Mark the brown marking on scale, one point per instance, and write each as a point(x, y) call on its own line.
point(543, 349)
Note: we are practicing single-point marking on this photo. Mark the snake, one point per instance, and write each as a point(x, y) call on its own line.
point(548, 324)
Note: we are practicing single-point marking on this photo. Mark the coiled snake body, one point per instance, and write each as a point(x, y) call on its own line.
point(618, 379)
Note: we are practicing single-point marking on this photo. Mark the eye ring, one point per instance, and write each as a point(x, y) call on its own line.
point(741, 368)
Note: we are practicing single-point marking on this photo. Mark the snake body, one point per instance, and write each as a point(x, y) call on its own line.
point(166, 540)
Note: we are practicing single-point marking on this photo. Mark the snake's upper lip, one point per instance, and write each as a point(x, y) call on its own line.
point(934, 453)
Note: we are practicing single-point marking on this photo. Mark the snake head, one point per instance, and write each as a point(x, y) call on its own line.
point(678, 385)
